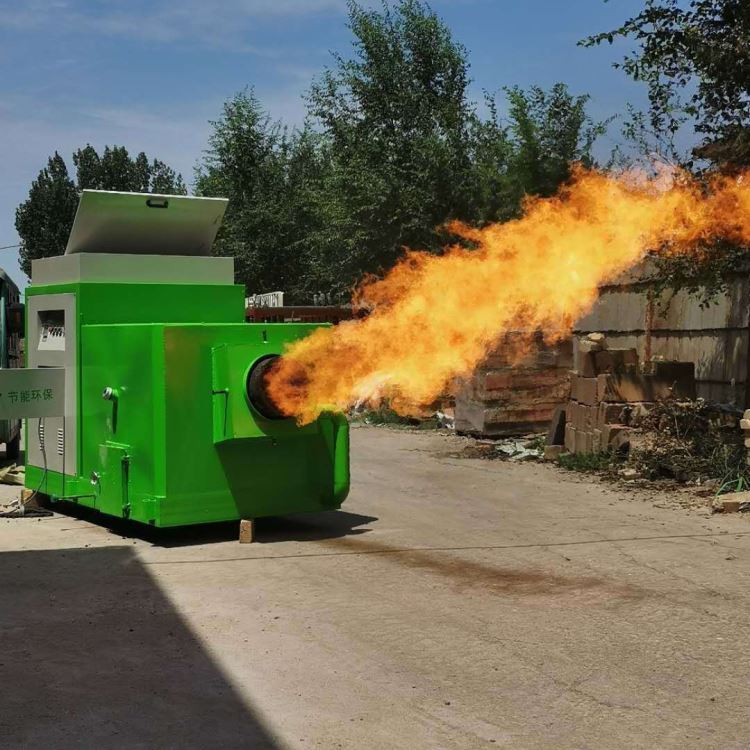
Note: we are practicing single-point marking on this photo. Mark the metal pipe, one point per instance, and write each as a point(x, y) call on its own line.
point(257, 389)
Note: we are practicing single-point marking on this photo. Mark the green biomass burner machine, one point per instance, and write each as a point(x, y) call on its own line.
point(142, 392)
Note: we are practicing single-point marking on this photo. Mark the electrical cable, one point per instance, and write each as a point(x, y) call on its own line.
point(43, 447)
point(21, 510)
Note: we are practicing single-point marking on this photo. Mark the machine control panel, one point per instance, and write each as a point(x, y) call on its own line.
point(52, 353)
point(51, 331)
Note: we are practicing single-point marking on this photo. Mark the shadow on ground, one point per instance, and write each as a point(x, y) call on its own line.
point(305, 527)
point(95, 655)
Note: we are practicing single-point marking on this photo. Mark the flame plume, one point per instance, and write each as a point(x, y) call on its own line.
point(435, 317)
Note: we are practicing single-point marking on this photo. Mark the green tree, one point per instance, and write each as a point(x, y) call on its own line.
point(532, 151)
point(550, 130)
point(695, 60)
point(493, 195)
point(409, 152)
point(45, 218)
point(267, 175)
point(309, 216)
point(398, 119)
point(43, 221)
point(393, 150)
point(115, 169)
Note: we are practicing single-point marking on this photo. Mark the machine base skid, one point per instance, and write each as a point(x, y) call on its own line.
point(185, 512)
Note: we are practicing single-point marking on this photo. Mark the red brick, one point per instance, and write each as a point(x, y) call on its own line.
point(247, 532)
point(591, 415)
point(733, 502)
point(573, 414)
point(586, 346)
point(587, 364)
point(519, 387)
point(552, 452)
point(494, 381)
point(585, 417)
point(596, 441)
point(730, 505)
point(517, 413)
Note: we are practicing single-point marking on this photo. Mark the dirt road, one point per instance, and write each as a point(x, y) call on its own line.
point(454, 604)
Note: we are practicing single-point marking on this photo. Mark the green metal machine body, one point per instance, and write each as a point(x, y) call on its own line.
point(158, 426)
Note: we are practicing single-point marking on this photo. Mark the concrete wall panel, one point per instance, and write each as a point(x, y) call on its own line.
point(714, 337)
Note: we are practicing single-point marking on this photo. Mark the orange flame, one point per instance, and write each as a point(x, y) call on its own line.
point(436, 317)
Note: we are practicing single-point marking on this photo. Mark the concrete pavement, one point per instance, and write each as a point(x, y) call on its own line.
point(453, 604)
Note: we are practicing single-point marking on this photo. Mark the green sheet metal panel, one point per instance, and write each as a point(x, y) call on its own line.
point(152, 303)
point(112, 481)
point(142, 341)
point(99, 303)
point(129, 359)
point(265, 467)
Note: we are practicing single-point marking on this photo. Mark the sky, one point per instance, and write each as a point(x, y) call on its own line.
point(150, 74)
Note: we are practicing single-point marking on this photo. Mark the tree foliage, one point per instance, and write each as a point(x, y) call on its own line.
point(274, 182)
point(695, 60)
point(397, 116)
point(393, 150)
point(45, 218)
point(550, 131)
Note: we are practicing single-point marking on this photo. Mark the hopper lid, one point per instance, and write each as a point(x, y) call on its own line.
point(145, 224)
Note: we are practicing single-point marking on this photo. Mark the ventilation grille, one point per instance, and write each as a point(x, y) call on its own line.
point(60, 442)
point(40, 434)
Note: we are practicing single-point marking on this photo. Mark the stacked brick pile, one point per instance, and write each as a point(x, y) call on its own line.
point(504, 397)
point(608, 391)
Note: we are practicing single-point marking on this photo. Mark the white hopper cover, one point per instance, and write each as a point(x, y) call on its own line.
point(145, 224)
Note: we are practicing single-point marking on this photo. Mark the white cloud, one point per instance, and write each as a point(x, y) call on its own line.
point(161, 21)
